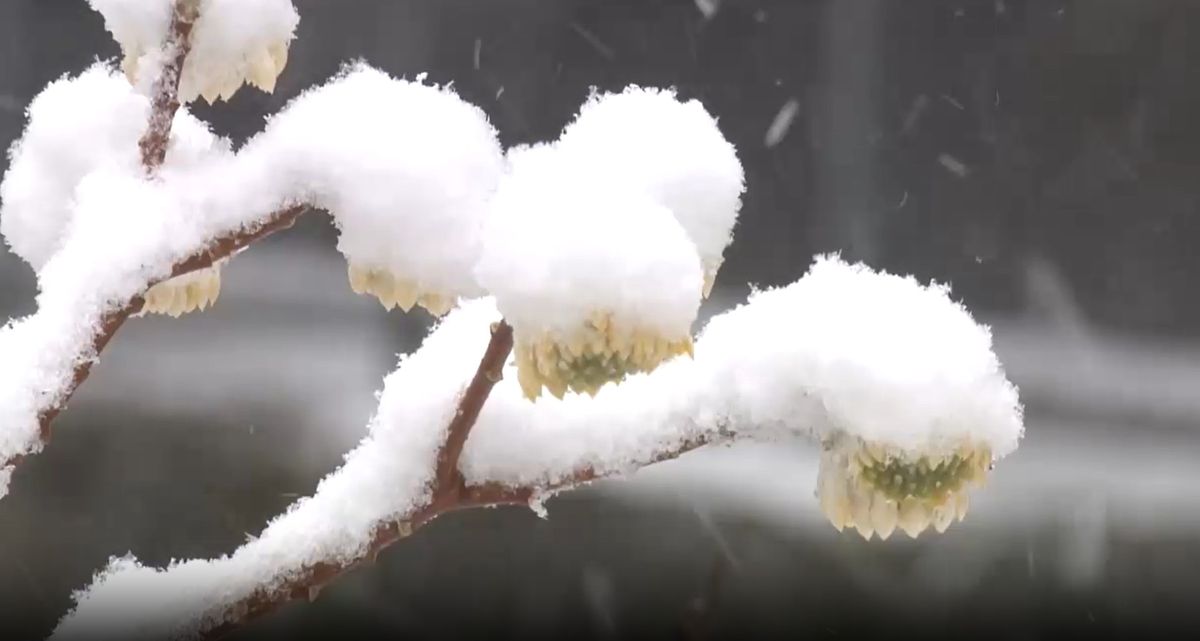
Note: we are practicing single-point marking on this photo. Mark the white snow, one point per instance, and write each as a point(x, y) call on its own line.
point(843, 349)
point(673, 150)
point(559, 247)
point(64, 142)
point(407, 178)
point(75, 205)
point(125, 232)
point(382, 480)
point(405, 168)
point(232, 41)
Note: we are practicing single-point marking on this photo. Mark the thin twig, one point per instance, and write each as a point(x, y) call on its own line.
point(490, 372)
point(165, 101)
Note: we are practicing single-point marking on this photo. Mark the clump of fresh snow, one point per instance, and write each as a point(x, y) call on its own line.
point(598, 281)
point(232, 41)
point(672, 150)
point(893, 362)
point(405, 168)
point(558, 248)
point(77, 126)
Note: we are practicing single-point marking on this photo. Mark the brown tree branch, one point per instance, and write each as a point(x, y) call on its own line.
point(308, 584)
point(165, 99)
point(491, 368)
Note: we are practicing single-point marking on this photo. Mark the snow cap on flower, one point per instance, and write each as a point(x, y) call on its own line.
point(598, 283)
point(406, 170)
point(78, 126)
point(911, 402)
point(232, 41)
point(673, 150)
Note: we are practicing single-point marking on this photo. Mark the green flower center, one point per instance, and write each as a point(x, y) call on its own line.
point(897, 479)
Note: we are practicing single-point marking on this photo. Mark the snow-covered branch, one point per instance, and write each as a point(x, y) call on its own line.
point(844, 353)
point(49, 354)
point(414, 165)
point(586, 258)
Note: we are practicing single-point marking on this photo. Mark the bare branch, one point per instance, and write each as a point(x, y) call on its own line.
point(489, 373)
point(165, 101)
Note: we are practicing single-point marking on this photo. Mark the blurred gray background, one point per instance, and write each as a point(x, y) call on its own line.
point(1042, 156)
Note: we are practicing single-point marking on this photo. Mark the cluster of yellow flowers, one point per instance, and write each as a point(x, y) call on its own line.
point(876, 489)
point(190, 292)
point(394, 291)
point(600, 351)
point(260, 69)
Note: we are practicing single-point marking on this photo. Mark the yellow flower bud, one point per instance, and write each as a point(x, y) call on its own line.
point(598, 352)
point(395, 291)
point(182, 294)
point(876, 488)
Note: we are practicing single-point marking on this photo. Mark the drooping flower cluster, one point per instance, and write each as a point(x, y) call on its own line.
point(610, 286)
point(233, 42)
point(194, 291)
point(875, 489)
point(393, 291)
point(600, 352)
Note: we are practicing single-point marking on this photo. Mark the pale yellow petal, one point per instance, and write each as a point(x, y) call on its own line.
point(884, 516)
point(405, 293)
point(262, 71)
point(914, 518)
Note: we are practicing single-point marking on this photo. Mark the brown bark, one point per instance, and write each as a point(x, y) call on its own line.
point(165, 98)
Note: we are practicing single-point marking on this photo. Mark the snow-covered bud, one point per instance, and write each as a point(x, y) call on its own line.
point(64, 142)
point(875, 488)
point(597, 283)
point(405, 169)
point(673, 150)
point(233, 42)
point(194, 291)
